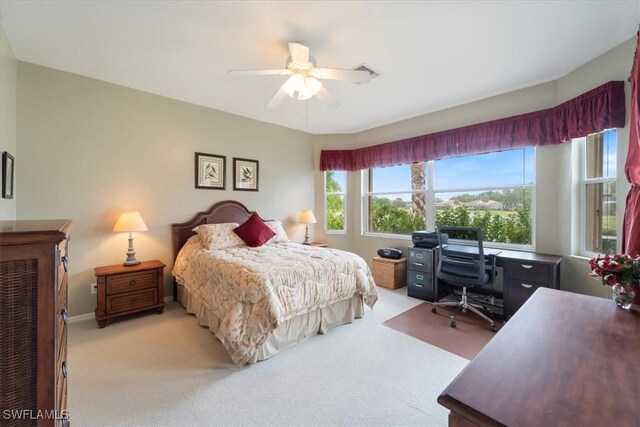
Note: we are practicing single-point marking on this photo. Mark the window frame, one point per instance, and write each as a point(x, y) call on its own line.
point(583, 181)
point(326, 194)
point(431, 193)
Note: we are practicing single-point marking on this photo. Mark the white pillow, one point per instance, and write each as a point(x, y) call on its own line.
point(219, 236)
point(281, 235)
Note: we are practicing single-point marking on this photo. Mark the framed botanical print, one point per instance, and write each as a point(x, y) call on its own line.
point(7, 175)
point(210, 171)
point(245, 174)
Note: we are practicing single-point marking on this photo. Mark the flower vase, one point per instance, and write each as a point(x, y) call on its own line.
point(623, 295)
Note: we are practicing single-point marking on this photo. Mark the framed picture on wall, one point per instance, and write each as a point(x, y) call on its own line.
point(245, 174)
point(7, 175)
point(210, 171)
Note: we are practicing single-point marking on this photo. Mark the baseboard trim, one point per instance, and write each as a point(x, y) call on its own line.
point(81, 317)
point(87, 316)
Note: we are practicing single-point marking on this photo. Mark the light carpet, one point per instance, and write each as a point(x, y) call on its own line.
point(152, 370)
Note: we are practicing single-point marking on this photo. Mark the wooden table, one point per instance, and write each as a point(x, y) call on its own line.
point(563, 359)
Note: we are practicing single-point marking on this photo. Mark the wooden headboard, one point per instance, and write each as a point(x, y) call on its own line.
point(227, 211)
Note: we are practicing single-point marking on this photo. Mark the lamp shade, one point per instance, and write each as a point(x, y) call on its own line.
point(130, 221)
point(306, 217)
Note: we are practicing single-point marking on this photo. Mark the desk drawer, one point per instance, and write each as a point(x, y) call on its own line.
point(529, 271)
point(420, 259)
point(519, 292)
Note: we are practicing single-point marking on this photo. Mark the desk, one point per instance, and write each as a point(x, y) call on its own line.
point(522, 274)
point(564, 359)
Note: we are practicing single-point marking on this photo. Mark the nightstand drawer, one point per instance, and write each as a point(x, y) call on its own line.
point(131, 282)
point(131, 301)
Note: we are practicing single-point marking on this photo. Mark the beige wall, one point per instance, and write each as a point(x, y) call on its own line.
point(90, 149)
point(8, 65)
point(553, 195)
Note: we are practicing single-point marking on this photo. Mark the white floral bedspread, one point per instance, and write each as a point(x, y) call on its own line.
point(253, 290)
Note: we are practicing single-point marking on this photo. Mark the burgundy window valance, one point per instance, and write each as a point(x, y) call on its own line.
point(594, 111)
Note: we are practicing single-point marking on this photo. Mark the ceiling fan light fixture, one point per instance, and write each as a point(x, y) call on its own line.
point(293, 84)
point(305, 86)
point(313, 85)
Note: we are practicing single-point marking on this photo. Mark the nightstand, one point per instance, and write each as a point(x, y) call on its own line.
point(319, 244)
point(129, 289)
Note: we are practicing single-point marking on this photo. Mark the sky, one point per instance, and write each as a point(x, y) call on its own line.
point(505, 168)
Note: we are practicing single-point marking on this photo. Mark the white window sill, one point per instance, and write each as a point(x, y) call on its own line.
point(581, 257)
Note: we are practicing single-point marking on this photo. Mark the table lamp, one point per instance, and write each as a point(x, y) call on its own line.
point(130, 222)
point(306, 217)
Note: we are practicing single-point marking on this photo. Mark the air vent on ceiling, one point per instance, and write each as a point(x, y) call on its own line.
point(365, 67)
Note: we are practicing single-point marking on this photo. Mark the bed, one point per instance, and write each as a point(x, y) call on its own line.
point(260, 301)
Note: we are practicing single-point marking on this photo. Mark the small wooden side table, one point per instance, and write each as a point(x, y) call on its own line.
point(319, 244)
point(124, 290)
point(389, 273)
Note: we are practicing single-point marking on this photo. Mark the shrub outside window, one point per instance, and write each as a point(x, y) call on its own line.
point(335, 191)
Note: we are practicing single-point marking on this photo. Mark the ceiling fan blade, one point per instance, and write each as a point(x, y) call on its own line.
point(356, 76)
point(325, 96)
point(277, 99)
point(283, 72)
point(299, 53)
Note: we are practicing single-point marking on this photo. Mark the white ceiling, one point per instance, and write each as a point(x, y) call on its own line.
point(431, 55)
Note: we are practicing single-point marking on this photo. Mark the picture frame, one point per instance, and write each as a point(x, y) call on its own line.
point(210, 171)
point(8, 166)
point(245, 174)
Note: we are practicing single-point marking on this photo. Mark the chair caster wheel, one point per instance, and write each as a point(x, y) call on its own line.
point(433, 310)
point(453, 324)
point(493, 328)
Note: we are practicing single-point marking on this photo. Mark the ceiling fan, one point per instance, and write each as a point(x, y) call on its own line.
point(305, 77)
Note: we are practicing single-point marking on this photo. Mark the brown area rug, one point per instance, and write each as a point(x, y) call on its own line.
point(466, 340)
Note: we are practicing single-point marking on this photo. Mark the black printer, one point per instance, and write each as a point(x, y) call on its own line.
point(427, 239)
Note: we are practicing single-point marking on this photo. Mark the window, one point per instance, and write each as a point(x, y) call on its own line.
point(335, 190)
point(397, 200)
point(492, 191)
point(598, 201)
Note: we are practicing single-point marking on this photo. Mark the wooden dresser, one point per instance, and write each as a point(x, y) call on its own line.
point(33, 322)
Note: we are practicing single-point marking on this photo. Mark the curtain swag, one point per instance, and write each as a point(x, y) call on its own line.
point(599, 109)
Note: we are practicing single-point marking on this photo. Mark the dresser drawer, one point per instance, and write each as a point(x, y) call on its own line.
point(528, 271)
point(131, 301)
point(61, 320)
point(120, 283)
point(62, 369)
point(420, 259)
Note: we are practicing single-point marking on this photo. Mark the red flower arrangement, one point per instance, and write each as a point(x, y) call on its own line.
point(613, 269)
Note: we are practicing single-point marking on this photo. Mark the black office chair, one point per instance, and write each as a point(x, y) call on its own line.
point(464, 265)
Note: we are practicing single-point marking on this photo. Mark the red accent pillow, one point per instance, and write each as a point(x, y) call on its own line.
point(254, 231)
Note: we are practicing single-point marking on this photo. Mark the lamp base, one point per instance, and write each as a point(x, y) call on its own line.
point(131, 255)
point(306, 236)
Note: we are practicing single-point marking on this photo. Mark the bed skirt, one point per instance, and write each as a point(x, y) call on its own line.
point(289, 333)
